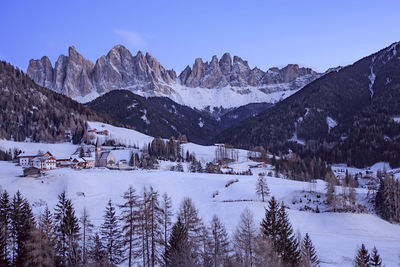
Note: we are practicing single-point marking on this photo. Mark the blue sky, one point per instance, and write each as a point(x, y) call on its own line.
point(317, 34)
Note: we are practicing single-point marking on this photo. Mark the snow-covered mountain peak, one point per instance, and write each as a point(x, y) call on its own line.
point(224, 82)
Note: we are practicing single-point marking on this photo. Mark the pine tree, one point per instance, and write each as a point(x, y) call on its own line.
point(97, 253)
point(362, 257)
point(3, 246)
point(287, 245)
point(111, 235)
point(375, 259)
point(129, 213)
point(22, 223)
point(309, 256)
point(46, 226)
point(87, 228)
point(67, 231)
point(178, 253)
point(245, 234)
point(5, 224)
point(269, 224)
point(262, 187)
point(166, 208)
point(219, 242)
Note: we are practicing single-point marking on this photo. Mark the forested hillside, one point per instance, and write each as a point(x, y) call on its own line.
point(349, 115)
point(31, 112)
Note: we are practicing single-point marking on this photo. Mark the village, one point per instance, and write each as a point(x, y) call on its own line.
point(86, 156)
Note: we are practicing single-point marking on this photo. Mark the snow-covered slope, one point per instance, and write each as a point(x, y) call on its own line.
point(335, 235)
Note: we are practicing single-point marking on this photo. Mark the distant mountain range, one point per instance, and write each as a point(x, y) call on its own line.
point(351, 115)
point(223, 83)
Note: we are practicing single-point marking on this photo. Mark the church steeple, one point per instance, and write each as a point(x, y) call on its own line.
point(98, 153)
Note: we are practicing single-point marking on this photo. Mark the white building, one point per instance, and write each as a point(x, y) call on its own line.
point(44, 162)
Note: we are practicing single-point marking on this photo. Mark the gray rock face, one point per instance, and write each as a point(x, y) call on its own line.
point(237, 73)
point(41, 71)
point(75, 76)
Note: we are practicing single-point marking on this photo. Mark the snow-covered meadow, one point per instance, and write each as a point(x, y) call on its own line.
point(336, 235)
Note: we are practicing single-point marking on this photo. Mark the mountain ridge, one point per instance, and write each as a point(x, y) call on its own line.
point(142, 74)
point(335, 116)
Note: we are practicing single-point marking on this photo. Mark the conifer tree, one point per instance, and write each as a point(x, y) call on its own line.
point(309, 257)
point(270, 224)
point(375, 259)
point(5, 224)
point(287, 245)
point(362, 257)
point(178, 253)
point(46, 226)
point(129, 213)
point(111, 235)
point(3, 246)
point(87, 228)
point(97, 253)
point(220, 246)
point(262, 188)
point(22, 223)
point(243, 239)
point(67, 230)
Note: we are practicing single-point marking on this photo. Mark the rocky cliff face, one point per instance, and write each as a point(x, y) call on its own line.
point(79, 78)
point(75, 76)
point(237, 73)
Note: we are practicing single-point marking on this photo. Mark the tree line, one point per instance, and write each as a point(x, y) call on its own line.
point(142, 230)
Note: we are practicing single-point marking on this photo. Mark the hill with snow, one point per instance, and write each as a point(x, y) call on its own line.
point(336, 236)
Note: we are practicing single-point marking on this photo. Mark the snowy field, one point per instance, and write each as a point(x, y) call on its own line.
point(336, 235)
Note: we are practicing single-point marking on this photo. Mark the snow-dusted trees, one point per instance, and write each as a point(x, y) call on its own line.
point(277, 228)
point(244, 239)
point(129, 213)
point(362, 257)
point(262, 188)
point(375, 258)
point(309, 257)
point(111, 235)
point(97, 253)
point(219, 242)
